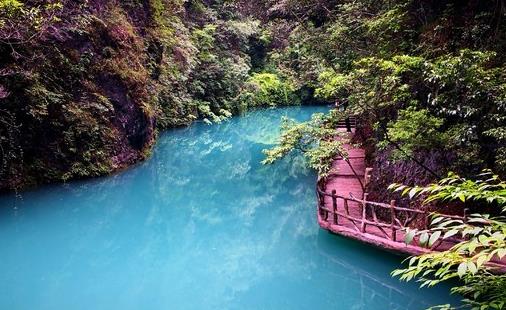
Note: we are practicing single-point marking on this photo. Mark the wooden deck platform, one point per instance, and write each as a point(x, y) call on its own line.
point(343, 208)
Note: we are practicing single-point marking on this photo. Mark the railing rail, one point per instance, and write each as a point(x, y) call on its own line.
point(363, 215)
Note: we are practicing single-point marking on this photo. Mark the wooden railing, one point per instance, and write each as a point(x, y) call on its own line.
point(348, 123)
point(361, 216)
point(364, 216)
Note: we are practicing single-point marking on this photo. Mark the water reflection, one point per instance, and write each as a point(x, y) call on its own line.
point(202, 225)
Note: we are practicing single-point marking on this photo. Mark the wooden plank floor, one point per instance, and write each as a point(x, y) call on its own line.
point(343, 179)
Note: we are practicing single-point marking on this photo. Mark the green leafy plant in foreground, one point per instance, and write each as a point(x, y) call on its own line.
point(473, 260)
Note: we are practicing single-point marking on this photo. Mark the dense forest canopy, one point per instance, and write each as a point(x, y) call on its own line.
point(86, 85)
point(426, 79)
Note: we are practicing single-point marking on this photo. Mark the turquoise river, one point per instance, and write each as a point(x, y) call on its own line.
point(200, 225)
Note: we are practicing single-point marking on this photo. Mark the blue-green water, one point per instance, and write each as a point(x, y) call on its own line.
point(201, 225)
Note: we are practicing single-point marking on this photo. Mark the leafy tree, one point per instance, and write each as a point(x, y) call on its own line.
point(453, 102)
point(414, 130)
point(268, 89)
point(10, 5)
point(397, 62)
point(317, 139)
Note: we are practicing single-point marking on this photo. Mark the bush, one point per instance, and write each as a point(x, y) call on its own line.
point(267, 89)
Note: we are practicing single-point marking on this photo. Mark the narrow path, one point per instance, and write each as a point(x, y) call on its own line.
point(346, 181)
point(343, 209)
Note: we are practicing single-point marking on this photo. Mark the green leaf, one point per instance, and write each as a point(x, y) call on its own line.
point(437, 220)
point(400, 188)
point(392, 186)
point(483, 239)
point(424, 238)
point(435, 236)
point(405, 191)
point(450, 233)
point(481, 260)
point(413, 192)
point(410, 235)
point(461, 270)
point(472, 267)
point(501, 253)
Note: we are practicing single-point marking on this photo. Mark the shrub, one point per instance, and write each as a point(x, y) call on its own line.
point(268, 89)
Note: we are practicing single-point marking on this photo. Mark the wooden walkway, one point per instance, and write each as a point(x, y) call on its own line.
point(343, 207)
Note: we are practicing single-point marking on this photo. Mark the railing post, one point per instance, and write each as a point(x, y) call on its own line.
point(324, 213)
point(321, 198)
point(364, 213)
point(367, 176)
point(334, 205)
point(348, 124)
point(392, 225)
point(320, 210)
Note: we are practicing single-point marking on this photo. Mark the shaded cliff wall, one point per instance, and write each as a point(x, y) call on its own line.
point(84, 85)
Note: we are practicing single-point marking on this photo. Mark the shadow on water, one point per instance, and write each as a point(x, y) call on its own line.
point(201, 225)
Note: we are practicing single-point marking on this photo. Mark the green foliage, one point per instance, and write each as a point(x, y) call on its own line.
point(387, 59)
point(172, 61)
point(447, 103)
point(25, 21)
point(482, 241)
point(317, 139)
point(10, 6)
point(267, 89)
point(464, 85)
point(204, 40)
point(209, 116)
point(73, 108)
point(390, 28)
point(423, 76)
point(374, 84)
point(488, 188)
point(415, 130)
point(223, 65)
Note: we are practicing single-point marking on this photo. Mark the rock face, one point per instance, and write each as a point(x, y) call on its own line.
point(129, 118)
point(83, 84)
point(76, 96)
